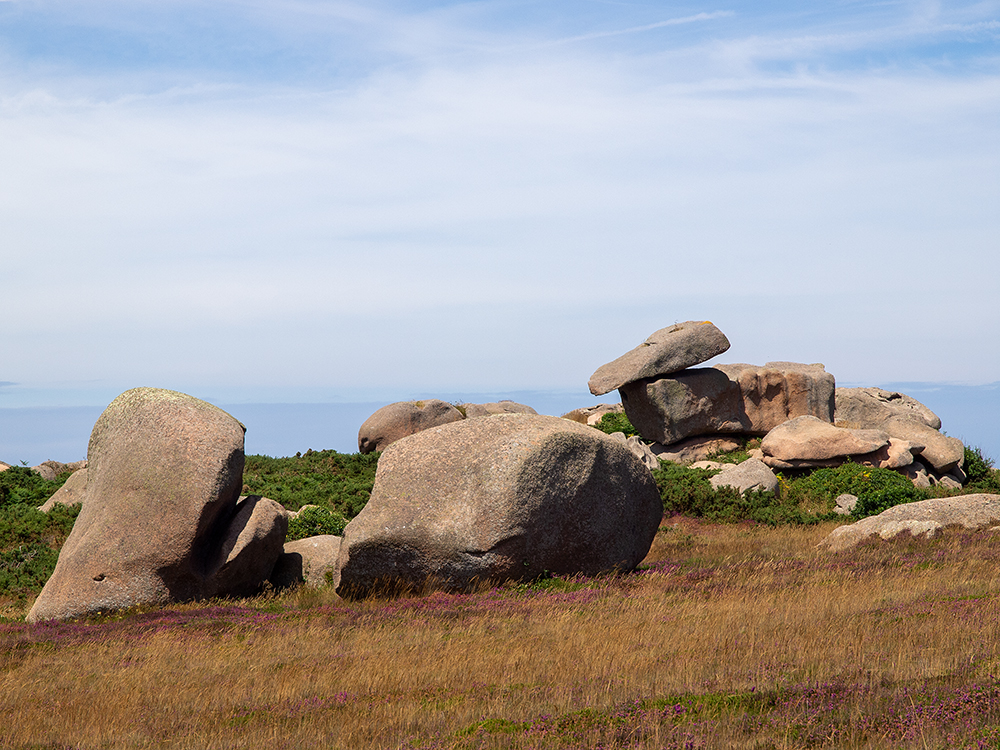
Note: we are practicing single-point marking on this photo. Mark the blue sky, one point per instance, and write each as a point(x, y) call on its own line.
point(329, 201)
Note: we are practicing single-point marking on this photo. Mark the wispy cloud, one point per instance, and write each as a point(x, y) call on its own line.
point(697, 17)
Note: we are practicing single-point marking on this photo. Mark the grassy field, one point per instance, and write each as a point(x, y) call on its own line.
point(731, 636)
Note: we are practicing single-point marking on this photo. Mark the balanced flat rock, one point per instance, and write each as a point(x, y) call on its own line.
point(667, 351)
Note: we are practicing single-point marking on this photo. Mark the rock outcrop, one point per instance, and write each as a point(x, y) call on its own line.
point(735, 399)
point(162, 518)
point(70, 493)
point(869, 408)
point(493, 408)
point(592, 414)
point(941, 452)
point(810, 439)
point(505, 498)
point(694, 449)
point(666, 351)
point(395, 421)
point(923, 518)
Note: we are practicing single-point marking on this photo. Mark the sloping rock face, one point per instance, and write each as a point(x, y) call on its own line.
point(70, 493)
point(669, 350)
point(162, 519)
point(943, 453)
point(922, 518)
point(505, 498)
point(395, 421)
point(869, 408)
point(496, 407)
point(734, 399)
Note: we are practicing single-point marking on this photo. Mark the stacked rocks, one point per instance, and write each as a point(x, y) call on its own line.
point(805, 420)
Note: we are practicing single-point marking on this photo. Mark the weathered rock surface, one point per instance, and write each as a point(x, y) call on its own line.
point(809, 438)
point(734, 399)
point(312, 560)
point(845, 504)
point(495, 407)
point(162, 519)
point(3, 466)
point(70, 493)
point(669, 350)
point(943, 453)
point(694, 449)
point(922, 518)
point(49, 470)
point(639, 449)
point(505, 498)
point(395, 421)
point(869, 408)
point(751, 474)
point(780, 391)
point(592, 414)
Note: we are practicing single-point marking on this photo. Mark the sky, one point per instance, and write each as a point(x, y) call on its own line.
point(287, 201)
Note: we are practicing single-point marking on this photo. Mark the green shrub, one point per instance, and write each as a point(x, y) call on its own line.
point(612, 422)
point(19, 485)
point(981, 476)
point(339, 482)
point(876, 489)
point(29, 545)
point(689, 491)
point(315, 521)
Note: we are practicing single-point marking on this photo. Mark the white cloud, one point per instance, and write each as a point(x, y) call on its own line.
point(515, 219)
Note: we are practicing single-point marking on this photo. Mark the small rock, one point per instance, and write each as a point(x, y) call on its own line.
point(639, 449)
point(312, 560)
point(845, 504)
point(592, 414)
point(745, 476)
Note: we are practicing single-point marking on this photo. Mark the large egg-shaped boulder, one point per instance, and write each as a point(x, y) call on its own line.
point(512, 497)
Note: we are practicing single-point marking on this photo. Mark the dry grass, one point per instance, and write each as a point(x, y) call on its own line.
point(735, 636)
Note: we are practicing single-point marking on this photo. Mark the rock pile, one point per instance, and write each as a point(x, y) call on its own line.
point(805, 421)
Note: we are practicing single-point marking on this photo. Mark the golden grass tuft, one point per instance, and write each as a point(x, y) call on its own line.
point(735, 636)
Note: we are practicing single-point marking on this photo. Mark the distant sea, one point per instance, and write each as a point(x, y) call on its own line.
point(35, 434)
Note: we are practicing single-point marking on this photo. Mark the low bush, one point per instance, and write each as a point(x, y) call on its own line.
point(315, 521)
point(876, 489)
point(19, 485)
point(689, 492)
point(339, 482)
point(29, 539)
point(612, 422)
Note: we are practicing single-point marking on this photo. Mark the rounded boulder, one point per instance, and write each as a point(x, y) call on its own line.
point(403, 418)
point(512, 497)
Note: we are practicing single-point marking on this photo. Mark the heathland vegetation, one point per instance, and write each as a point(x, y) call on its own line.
point(735, 632)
